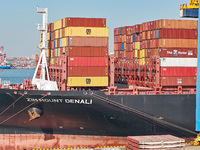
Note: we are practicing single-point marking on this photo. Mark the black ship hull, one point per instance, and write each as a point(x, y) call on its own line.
point(94, 113)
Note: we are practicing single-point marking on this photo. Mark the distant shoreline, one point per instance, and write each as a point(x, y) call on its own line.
point(23, 68)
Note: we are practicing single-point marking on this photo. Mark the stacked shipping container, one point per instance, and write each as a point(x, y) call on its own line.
point(173, 41)
point(83, 43)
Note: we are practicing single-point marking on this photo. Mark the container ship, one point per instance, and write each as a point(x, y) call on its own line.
point(147, 87)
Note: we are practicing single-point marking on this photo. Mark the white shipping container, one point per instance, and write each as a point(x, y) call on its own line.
point(178, 62)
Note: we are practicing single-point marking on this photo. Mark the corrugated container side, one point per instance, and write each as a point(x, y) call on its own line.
point(85, 41)
point(178, 62)
point(85, 22)
point(178, 24)
point(87, 81)
point(86, 51)
point(86, 31)
point(176, 81)
point(177, 43)
point(57, 24)
point(87, 61)
point(178, 71)
point(178, 33)
point(87, 71)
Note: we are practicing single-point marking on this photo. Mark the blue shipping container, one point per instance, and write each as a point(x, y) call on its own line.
point(120, 30)
point(122, 46)
point(60, 42)
point(56, 52)
point(54, 44)
point(133, 37)
point(70, 42)
point(191, 13)
point(157, 34)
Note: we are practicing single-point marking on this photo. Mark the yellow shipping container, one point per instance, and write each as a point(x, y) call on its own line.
point(87, 31)
point(61, 33)
point(58, 25)
point(63, 24)
point(52, 61)
point(136, 53)
point(51, 53)
point(142, 53)
point(47, 52)
point(58, 51)
point(64, 42)
point(137, 45)
point(87, 81)
point(57, 34)
point(48, 36)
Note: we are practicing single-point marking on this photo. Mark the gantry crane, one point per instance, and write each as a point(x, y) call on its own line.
point(193, 11)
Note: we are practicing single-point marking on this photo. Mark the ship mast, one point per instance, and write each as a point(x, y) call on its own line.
point(42, 83)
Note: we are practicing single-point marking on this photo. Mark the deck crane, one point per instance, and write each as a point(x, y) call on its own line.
point(192, 11)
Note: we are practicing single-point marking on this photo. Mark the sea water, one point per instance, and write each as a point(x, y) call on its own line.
point(15, 76)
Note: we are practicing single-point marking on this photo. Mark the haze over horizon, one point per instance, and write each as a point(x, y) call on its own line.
point(19, 36)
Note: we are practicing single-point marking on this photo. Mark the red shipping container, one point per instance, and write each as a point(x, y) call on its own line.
point(153, 25)
point(88, 41)
point(157, 24)
point(53, 35)
point(129, 47)
point(120, 54)
point(140, 37)
point(51, 44)
point(137, 28)
point(176, 81)
point(128, 39)
point(153, 34)
point(145, 26)
point(123, 30)
point(178, 33)
point(51, 27)
point(85, 22)
point(117, 38)
point(118, 46)
point(178, 71)
point(63, 32)
point(87, 61)
point(137, 37)
point(148, 44)
point(179, 52)
point(87, 71)
point(133, 29)
point(86, 51)
point(133, 46)
point(117, 31)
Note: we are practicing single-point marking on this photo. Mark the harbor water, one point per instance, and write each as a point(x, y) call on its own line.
point(15, 76)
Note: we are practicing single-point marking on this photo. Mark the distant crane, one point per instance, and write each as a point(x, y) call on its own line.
point(193, 11)
point(2, 55)
point(2, 52)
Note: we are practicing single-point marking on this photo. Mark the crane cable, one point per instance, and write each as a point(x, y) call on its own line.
point(140, 113)
point(21, 110)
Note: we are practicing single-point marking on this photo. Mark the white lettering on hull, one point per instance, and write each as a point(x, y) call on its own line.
point(67, 101)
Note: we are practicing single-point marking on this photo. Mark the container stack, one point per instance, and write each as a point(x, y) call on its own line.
point(83, 43)
point(171, 44)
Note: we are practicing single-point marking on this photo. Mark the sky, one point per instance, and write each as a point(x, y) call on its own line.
point(18, 18)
